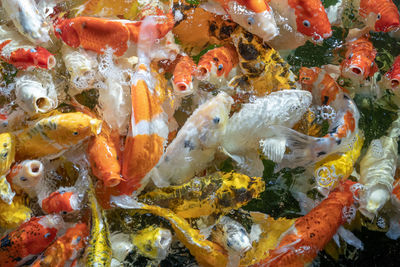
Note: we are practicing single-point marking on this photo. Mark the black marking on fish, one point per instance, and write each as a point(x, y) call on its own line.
point(321, 153)
point(189, 144)
point(248, 51)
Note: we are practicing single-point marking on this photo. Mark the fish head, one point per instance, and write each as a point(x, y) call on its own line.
point(27, 174)
point(63, 30)
point(312, 20)
point(307, 77)
point(358, 68)
point(381, 15)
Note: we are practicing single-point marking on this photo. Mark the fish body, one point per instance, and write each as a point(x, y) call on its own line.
point(29, 239)
point(393, 76)
point(66, 248)
point(27, 19)
point(183, 74)
point(21, 54)
point(96, 34)
point(26, 175)
point(195, 144)
point(379, 15)
point(359, 62)
point(194, 198)
point(63, 201)
point(54, 134)
point(7, 152)
point(310, 233)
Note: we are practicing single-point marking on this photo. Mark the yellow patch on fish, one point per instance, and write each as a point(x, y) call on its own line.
point(309, 125)
point(6, 193)
point(127, 9)
point(337, 167)
point(148, 241)
point(14, 214)
point(54, 134)
point(271, 231)
point(7, 152)
point(207, 253)
point(216, 193)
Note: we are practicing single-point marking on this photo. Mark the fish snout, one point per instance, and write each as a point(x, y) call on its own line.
point(95, 126)
point(183, 87)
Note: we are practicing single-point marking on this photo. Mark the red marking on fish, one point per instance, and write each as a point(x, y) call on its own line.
point(223, 59)
point(183, 75)
point(60, 202)
point(394, 74)
point(384, 12)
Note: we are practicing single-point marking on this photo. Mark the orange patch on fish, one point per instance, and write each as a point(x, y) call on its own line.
point(224, 59)
point(183, 74)
point(384, 11)
point(349, 125)
point(394, 74)
point(60, 202)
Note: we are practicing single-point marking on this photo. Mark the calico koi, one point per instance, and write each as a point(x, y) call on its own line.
point(393, 76)
point(55, 134)
point(66, 248)
point(30, 239)
point(379, 15)
point(310, 233)
point(97, 34)
point(63, 201)
point(217, 64)
point(20, 53)
point(359, 61)
point(183, 74)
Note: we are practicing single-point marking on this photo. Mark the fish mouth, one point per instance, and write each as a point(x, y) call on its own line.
point(394, 83)
point(203, 73)
point(43, 104)
point(182, 87)
point(356, 70)
point(113, 180)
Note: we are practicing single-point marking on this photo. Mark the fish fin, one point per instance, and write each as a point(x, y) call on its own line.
point(213, 7)
point(356, 33)
point(249, 163)
point(350, 238)
point(394, 229)
point(274, 148)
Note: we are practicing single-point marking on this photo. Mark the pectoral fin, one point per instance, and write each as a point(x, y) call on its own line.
point(273, 148)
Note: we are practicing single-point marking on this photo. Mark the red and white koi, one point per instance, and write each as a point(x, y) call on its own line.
point(26, 175)
point(299, 21)
point(64, 200)
point(310, 233)
point(218, 65)
point(379, 15)
point(29, 240)
point(256, 16)
point(96, 34)
point(359, 62)
point(393, 76)
point(342, 132)
point(183, 74)
point(66, 248)
point(20, 53)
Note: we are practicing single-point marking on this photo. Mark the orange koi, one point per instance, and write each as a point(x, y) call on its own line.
point(97, 34)
point(219, 61)
point(183, 75)
point(62, 201)
point(66, 248)
point(393, 75)
point(30, 239)
point(24, 59)
point(359, 63)
point(380, 15)
point(312, 232)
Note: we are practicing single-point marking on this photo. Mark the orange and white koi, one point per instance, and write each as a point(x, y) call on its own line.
point(66, 248)
point(310, 233)
point(184, 71)
point(97, 34)
point(217, 64)
point(26, 175)
point(393, 76)
point(148, 132)
point(256, 16)
point(29, 240)
point(305, 149)
point(359, 62)
point(306, 17)
point(20, 53)
point(379, 15)
point(64, 200)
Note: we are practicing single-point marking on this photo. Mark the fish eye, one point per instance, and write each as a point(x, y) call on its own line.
point(379, 16)
point(23, 179)
point(250, 21)
point(220, 67)
point(64, 212)
point(351, 55)
point(306, 23)
point(47, 235)
point(75, 133)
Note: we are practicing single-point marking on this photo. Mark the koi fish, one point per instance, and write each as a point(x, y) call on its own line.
point(153, 242)
point(255, 16)
point(29, 240)
point(195, 144)
point(20, 53)
point(66, 248)
point(310, 233)
point(217, 64)
point(377, 169)
point(380, 16)
point(148, 131)
point(27, 19)
point(96, 34)
point(183, 76)
point(299, 21)
point(229, 191)
point(305, 149)
point(249, 129)
point(26, 175)
point(7, 152)
point(393, 76)
point(63, 201)
point(55, 134)
point(15, 213)
point(359, 60)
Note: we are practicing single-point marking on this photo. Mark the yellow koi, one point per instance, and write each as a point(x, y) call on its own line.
point(7, 152)
point(54, 134)
point(14, 214)
point(152, 242)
